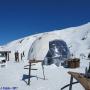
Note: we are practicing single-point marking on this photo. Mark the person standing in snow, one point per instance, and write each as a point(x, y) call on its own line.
point(21, 56)
point(17, 56)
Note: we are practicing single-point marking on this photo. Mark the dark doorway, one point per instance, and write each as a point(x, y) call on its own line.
point(58, 51)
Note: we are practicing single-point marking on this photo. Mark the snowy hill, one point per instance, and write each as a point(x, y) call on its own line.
point(77, 39)
point(78, 42)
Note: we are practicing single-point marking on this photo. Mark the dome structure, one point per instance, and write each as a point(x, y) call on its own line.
point(46, 45)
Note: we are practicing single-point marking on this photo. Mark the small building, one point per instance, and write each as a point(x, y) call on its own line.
point(5, 53)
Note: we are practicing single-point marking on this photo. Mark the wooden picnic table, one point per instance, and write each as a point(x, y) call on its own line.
point(85, 82)
point(30, 64)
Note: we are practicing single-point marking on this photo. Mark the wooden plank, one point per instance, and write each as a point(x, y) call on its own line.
point(85, 82)
point(34, 69)
point(28, 65)
point(35, 61)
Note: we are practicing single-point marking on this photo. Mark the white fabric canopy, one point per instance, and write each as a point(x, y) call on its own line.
point(40, 47)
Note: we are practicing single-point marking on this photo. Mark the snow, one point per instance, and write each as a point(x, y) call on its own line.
point(72, 36)
point(76, 38)
point(42, 45)
point(73, 39)
point(56, 77)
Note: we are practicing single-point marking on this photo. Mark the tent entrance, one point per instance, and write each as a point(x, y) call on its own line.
point(58, 51)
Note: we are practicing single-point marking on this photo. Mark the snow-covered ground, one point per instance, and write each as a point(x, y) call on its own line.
point(56, 77)
point(76, 38)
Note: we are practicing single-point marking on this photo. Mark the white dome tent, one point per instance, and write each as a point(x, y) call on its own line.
point(40, 46)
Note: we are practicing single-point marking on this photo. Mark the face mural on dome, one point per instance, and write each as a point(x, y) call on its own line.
point(58, 51)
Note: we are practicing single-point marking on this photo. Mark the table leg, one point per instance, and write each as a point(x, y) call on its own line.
point(29, 74)
point(43, 71)
point(71, 81)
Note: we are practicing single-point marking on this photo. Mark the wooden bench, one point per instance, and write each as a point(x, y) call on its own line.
point(31, 63)
point(85, 82)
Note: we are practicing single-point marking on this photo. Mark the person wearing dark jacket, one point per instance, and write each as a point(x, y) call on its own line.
point(17, 56)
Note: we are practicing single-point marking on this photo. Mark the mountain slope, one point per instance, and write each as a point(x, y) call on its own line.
point(13, 75)
point(77, 39)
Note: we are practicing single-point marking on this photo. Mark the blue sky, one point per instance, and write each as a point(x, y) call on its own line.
point(20, 18)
